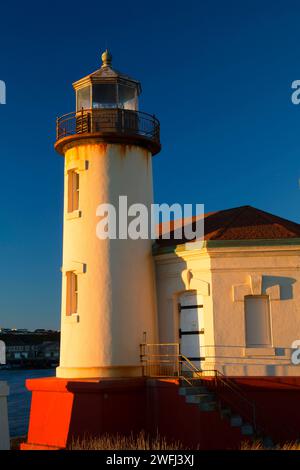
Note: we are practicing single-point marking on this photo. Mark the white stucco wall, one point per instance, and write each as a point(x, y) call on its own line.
point(116, 300)
point(232, 273)
point(276, 272)
point(172, 280)
point(4, 430)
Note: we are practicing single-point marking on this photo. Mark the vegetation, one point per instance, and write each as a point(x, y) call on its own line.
point(141, 441)
point(258, 445)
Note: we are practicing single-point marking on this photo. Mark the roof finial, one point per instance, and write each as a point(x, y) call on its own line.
point(106, 59)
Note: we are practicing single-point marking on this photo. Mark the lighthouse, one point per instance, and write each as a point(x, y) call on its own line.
point(221, 305)
point(108, 288)
point(108, 302)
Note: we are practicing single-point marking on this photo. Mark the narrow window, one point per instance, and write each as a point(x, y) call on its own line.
point(83, 98)
point(72, 293)
point(73, 191)
point(257, 321)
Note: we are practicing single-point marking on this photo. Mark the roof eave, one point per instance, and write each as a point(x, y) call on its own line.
point(160, 250)
point(95, 78)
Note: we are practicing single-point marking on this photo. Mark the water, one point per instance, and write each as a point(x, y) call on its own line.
point(19, 397)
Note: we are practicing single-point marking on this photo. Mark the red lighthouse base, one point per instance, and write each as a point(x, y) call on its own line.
point(64, 410)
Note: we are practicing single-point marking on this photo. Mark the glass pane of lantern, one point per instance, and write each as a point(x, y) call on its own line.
point(83, 98)
point(104, 96)
point(127, 97)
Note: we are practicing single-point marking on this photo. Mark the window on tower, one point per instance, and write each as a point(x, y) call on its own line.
point(105, 96)
point(73, 191)
point(72, 293)
point(84, 98)
point(127, 97)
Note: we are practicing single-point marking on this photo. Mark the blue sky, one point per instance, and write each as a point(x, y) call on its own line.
point(217, 74)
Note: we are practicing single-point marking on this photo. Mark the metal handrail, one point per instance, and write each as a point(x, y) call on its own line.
point(226, 382)
point(109, 120)
point(175, 362)
point(152, 116)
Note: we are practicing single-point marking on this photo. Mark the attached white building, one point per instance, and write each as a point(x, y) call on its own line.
point(233, 305)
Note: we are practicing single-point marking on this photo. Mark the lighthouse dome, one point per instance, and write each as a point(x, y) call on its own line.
point(107, 109)
point(107, 88)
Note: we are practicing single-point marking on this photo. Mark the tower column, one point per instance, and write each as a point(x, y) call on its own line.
point(114, 277)
point(108, 300)
point(108, 286)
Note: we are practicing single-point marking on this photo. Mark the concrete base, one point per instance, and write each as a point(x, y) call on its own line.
point(4, 430)
point(63, 410)
point(277, 404)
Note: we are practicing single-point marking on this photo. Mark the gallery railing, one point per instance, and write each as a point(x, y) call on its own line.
point(109, 120)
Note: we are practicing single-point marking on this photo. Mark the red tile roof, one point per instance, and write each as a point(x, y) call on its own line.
point(240, 223)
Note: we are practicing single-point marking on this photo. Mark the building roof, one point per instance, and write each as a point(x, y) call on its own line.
point(238, 223)
point(107, 74)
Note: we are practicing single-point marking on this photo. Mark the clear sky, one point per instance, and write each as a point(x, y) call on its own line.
point(218, 75)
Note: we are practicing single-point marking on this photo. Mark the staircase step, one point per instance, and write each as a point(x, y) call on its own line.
point(208, 406)
point(192, 390)
point(247, 429)
point(225, 413)
point(194, 383)
point(198, 398)
point(187, 373)
point(236, 421)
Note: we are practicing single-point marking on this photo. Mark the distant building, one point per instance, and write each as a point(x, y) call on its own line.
point(49, 350)
point(31, 349)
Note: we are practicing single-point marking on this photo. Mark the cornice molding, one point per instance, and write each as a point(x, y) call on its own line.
point(219, 247)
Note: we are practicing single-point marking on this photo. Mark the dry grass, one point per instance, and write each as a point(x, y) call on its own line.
point(141, 441)
point(258, 445)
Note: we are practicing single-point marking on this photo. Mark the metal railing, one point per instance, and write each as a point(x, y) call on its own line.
point(110, 120)
point(165, 360)
point(160, 359)
point(242, 353)
point(226, 390)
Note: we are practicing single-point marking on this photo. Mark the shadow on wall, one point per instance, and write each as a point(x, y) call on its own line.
point(285, 283)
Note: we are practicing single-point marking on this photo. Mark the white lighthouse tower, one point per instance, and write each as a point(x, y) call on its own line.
point(108, 287)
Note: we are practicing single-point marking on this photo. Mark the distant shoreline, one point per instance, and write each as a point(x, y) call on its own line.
point(37, 367)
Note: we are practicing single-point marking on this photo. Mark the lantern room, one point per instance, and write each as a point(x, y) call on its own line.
point(107, 89)
point(107, 108)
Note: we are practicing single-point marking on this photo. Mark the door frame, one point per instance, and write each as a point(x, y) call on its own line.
point(179, 332)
